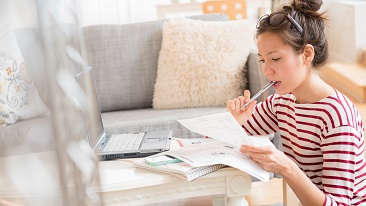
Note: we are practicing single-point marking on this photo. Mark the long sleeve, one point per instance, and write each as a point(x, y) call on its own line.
point(263, 120)
point(325, 139)
point(343, 166)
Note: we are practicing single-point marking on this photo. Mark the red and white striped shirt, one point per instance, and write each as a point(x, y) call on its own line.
point(325, 139)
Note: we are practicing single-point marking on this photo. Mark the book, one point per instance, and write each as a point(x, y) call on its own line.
point(180, 169)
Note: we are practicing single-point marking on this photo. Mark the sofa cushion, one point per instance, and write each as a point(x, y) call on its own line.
point(152, 120)
point(125, 58)
point(202, 63)
point(28, 136)
point(19, 98)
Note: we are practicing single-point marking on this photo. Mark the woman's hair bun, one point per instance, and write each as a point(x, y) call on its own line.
point(312, 5)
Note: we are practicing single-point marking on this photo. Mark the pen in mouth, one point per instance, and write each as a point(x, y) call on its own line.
point(265, 88)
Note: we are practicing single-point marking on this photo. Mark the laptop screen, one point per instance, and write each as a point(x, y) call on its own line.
point(90, 106)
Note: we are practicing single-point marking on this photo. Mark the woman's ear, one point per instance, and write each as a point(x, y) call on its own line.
point(308, 53)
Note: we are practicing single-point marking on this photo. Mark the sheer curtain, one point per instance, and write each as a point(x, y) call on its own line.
point(118, 11)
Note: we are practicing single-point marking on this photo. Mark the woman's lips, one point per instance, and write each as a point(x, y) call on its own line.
point(277, 84)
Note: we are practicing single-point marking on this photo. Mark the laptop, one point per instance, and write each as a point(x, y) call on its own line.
point(112, 146)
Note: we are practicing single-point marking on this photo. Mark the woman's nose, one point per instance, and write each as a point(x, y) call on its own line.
point(266, 69)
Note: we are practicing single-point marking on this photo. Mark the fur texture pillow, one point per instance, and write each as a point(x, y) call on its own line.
point(201, 63)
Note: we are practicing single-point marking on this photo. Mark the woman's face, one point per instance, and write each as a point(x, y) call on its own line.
point(280, 63)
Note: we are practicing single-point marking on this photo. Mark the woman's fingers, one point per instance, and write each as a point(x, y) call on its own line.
point(247, 96)
point(259, 153)
point(268, 158)
point(230, 105)
point(236, 104)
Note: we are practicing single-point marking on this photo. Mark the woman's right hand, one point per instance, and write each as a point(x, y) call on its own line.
point(234, 106)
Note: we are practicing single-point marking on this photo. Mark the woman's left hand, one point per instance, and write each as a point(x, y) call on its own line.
point(270, 159)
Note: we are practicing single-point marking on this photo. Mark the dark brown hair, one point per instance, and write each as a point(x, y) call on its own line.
point(305, 12)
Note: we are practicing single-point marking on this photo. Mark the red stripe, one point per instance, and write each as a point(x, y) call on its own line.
point(298, 146)
point(246, 130)
point(309, 124)
point(284, 114)
point(303, 163)
point(362, 149)
point(319, 118)
point(251, 126)
point(334, 109)
point(285, 99)
point(338, 169)
point(360, 168)
point(269, 116)
point(338, 178)
point(340, 143)
point(256, 121)
point(319, 110)
point(339, 187)
point(284, 106)
point(268, 104)
point(335, 194)
point(342, 105)
point(287, 123)
point(305, 155)
point(361, 201)
point(339, 161)
point(310, 133)
point(343, 134)
point(339, 195)
point(361, 189)
point(339, 152)
point(299, 138)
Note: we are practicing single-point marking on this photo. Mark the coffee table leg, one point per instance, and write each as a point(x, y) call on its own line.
point(219, 200)
point(222, 200)
point(237, 187)
point(234, 201)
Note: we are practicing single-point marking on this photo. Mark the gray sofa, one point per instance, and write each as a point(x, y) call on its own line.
point(124, 59)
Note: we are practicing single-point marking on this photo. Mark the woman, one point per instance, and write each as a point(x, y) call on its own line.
point(321, 130)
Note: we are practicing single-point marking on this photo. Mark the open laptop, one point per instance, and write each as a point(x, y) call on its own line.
point(112, 146)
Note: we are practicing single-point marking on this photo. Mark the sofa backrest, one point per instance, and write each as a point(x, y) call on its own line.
point(29, 40)
point(125, 61)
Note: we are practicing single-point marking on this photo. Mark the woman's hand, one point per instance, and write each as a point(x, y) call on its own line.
point(270, 159)
point(234, 106)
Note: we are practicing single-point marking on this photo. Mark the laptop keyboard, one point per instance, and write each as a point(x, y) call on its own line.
point(124, 142)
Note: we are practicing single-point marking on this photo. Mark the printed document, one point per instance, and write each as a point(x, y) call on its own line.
point(230, 135)
point(224, 127)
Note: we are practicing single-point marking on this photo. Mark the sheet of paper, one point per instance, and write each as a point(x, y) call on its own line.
point(224, 127)
point(216, 153)
point(184, 142)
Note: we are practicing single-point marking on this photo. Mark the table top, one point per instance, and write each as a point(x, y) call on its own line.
point(37, 173)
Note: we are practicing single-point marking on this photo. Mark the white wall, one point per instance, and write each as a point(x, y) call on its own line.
point(18, 13)
point(346, 33)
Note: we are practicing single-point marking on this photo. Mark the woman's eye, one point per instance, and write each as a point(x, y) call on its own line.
point(261, 61)
point(276, 59)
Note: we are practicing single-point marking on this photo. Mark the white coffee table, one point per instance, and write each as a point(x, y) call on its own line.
point(23, 183)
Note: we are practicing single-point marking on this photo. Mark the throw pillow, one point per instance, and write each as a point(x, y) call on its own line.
point(202, 63)
point(19, 99)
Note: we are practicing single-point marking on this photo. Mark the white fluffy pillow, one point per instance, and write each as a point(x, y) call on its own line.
point(19, 98)
point(201, 63)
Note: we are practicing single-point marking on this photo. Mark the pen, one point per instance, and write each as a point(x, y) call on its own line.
point(265, 88)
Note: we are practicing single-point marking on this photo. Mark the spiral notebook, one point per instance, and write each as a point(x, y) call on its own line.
point(181, 169)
